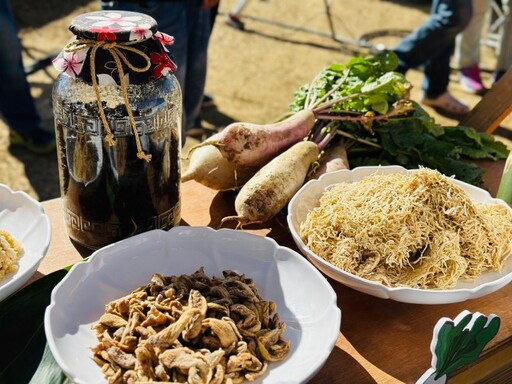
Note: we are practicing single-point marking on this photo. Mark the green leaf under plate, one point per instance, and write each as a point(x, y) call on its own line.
point(22, 317)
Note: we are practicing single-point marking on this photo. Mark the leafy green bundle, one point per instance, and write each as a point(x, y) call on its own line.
point(368, 105)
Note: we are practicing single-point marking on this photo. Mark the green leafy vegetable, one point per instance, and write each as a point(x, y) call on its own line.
point(367, 103)
point(362, 85)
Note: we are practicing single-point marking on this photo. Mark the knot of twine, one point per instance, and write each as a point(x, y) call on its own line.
point(116, 51)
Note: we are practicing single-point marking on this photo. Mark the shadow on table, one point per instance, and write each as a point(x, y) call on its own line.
point(223, 205)
point(339, 358)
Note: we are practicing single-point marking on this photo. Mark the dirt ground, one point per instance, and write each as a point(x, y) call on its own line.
point(252, 74)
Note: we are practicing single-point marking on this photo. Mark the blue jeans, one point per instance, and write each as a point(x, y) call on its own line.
point(191, 27)
point(432, 44)
point(16, 103)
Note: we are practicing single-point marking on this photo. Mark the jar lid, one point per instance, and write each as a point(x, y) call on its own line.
point(119, 26)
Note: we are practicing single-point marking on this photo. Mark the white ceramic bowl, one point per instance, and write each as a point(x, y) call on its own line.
point(305, 300)
point(24, 218)
point(308, 197)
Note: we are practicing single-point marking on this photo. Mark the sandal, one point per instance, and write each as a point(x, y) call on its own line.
point(447, 105)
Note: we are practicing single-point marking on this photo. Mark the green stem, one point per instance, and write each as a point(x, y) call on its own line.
point(332, 90)
point(322, 107)
point(399, 108)
point(358, 139)
point(334, 112)
point(308, 100)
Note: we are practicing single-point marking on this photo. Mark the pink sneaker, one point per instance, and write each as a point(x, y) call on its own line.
point(470, 80)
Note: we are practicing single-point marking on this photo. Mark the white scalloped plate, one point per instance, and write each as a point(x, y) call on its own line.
point(305, 300)
point(307, 198)
point(24, 218)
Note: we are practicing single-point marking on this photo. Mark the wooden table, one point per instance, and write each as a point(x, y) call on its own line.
point(390, 340)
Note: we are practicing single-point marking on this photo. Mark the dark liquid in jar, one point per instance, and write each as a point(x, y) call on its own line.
point(109, 193)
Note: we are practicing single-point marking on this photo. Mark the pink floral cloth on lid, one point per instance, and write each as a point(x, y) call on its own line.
point(136, 31)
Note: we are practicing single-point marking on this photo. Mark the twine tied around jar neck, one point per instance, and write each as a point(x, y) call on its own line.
point(115, 49)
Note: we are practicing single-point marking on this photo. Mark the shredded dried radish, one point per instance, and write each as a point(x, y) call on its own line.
point(418, 230)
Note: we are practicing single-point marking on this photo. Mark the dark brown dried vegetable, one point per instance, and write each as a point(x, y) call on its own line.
point(190, 329)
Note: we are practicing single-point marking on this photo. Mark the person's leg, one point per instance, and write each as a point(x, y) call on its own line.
point(233, 18)
point(437, 75)
point(467, 43)
point(447, 19)
point(16, 103)
point(197, 61)
point(191, 28)
point(208, 100)
point(239, 7)
point(213, 15)
point(466, 56)
point(505, 53)
point(450, 17)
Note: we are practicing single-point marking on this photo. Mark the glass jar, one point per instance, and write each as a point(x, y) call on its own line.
point(118, 113)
